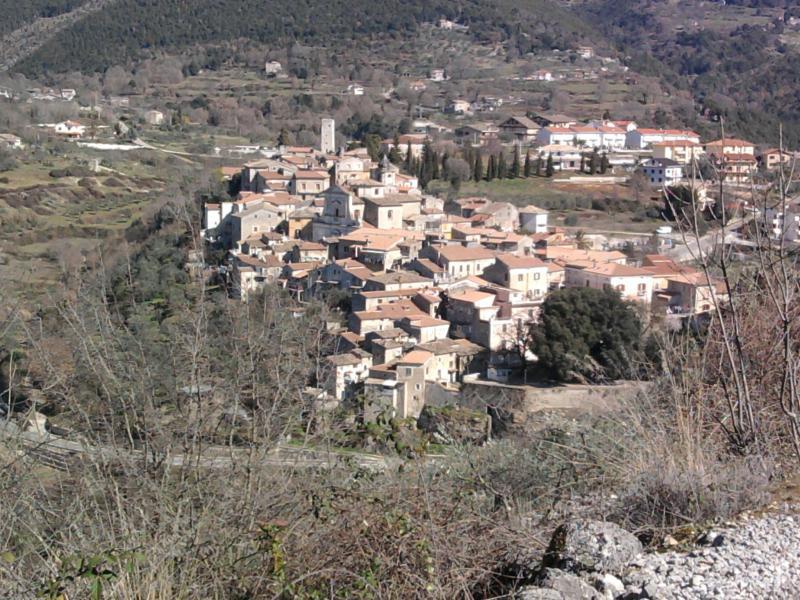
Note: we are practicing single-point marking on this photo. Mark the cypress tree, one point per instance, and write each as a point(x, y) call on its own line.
point(502, 169)
point(527, 170)
point(604, 163)
point(593, 163)
point(550, 170)
point(515, 166)
point(477, 171)
point(409, 159)
point(490, 172)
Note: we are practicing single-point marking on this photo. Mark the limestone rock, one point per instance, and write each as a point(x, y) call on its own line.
point(593, 546)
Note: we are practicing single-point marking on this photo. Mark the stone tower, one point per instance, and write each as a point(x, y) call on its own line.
point(328, 137)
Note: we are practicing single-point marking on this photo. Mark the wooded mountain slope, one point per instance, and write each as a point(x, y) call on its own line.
point(125, 29)
point(15, 14)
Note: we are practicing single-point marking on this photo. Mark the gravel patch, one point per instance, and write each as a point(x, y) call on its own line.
point(757, 557)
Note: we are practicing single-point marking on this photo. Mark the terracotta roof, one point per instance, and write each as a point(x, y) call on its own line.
point(455, 253)
point(385, 201)
point(392, 311)
point(312, 174)
point(533, 210)
point(471, 296)
point(676, 144)
point(388, 293)
point(430, 265)
point(415, 357)
point(683, 132)
point(401, 277)
point(304, 245)
point(268, 262)
point(341, 360)
point(613, 270)
point(426, 322)
point(730, 142)
point(513, 261)
point(522, 120)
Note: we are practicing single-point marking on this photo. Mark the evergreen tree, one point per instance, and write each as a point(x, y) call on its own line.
point(372, 143)
point(539, 163)
point(604, 165)
point(515, 166)
point(445, 173)
point(477, 171)
point(527, 170)
point(428, 166)
point(284, 138)
point(550, 169)
point(490, 172)
point(583, 163)
point(394, 153)
point(409, 159)
point(587, 334)
point(593, 166)
point(435, 166)
point(502, 169)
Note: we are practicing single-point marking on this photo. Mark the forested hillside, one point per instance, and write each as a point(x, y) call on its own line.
point(15, 14)
point(739, 61)
point(128, 28)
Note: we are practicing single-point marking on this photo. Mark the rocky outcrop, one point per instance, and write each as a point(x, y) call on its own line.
point(453, 425)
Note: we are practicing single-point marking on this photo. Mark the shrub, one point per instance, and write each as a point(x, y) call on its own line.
point(571, 220)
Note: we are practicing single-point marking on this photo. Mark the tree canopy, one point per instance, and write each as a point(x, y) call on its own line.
point(587, 334)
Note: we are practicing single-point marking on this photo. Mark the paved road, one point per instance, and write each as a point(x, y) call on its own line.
point(684, 252)
point(58, 452)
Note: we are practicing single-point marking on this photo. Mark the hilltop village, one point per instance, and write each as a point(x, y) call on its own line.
point(438, 290)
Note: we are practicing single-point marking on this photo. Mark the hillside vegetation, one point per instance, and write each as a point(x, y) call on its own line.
point(739, 61)
point(16, 14)
point(127, 29)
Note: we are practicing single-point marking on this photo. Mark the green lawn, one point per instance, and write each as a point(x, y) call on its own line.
point(539, 191)
point(563, 200)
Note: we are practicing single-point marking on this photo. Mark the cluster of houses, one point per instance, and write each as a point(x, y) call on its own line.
point(664, 156)
point(439, 290)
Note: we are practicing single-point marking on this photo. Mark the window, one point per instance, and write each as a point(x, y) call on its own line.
point(255, 227)
point(418, 386)
point(520, 277)
point(620, 288)
point(642, 289)
point(537, 276)
point(408, 371)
